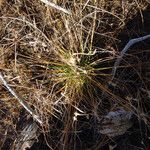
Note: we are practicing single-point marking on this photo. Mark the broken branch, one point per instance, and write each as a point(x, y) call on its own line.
point(23, 103)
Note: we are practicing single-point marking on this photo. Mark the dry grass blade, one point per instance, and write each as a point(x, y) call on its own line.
point(56, 6)
point(57, 59)
point(23, 103)
point(128, 45)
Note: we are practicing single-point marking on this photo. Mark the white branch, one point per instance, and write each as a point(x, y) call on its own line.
point(128, 45)
point(23, 103)
point(55, 6)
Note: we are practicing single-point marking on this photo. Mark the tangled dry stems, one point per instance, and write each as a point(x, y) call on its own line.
point(52, 60)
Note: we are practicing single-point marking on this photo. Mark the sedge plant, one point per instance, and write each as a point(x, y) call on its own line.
point(56, 58)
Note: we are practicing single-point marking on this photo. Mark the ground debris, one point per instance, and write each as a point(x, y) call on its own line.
point(27, 137)
point(116, 123)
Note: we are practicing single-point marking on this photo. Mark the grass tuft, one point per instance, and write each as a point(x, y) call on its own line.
point(62, 65)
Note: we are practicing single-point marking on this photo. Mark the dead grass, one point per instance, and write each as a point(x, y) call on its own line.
point(58, 63)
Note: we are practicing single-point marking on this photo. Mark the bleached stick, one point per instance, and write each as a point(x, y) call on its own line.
point(128, 45)
point(23, 103)
point(55, 6)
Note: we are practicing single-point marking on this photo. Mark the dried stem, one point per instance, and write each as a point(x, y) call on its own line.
point(55, 6)
point(23, 103)
point(128, 45)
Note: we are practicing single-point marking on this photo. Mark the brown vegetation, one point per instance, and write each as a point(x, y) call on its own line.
point(60, 65)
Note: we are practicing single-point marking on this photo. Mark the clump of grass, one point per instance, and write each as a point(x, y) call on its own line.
point(60, 64)
point(71, 73)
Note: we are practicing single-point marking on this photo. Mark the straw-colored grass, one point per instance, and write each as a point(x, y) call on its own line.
point(59, 58)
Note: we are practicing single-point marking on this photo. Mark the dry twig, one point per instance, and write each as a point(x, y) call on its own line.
point(128, 45)
point(23, 103)
point(55, 6)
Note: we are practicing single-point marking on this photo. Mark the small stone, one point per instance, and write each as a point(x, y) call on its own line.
point(116, 123)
